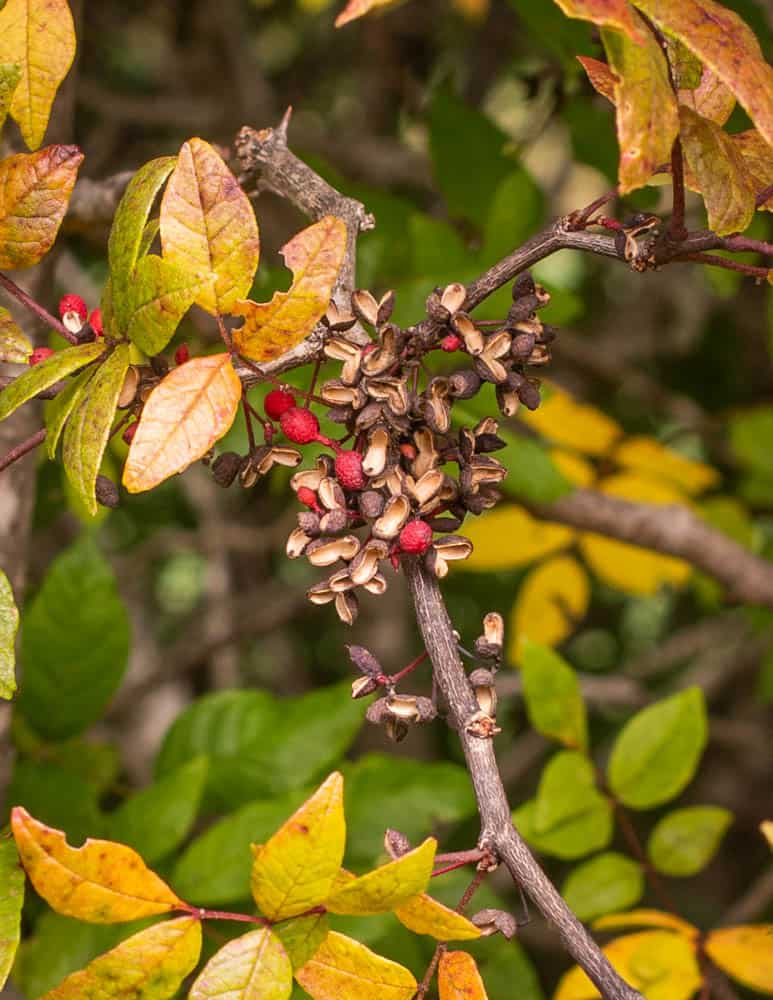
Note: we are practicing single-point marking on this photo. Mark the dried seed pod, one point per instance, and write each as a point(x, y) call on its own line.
point(296, 543)
point(320, 593)
point(106, 492)
point(371, 504)
point(396, 844)
point(508, 401)
point(375, 457)
point(453, 296)
point(321, 553)
point(378, 712)
point(340, 415)
point(403, 706)
point(485, 443)
point(128, 391)
point(529, 395)
point(395, 729)
point(370, 414)
point(540, 356)
point(309, 522)
point(482, 726)
point(391, 391)
point(340, 581)
point(489, 369)
point(364, 661)
point(522, 346)
point(365, 307)
point(474, 341)
point(427, 456)
point(225, 468)
point(376, 585)
point(289, 457)
point(248, 474)
point(336, 320)
point(435, 309)
point(453, 547)
point(444, 523)
point(428, 486)
point(492, 921)
point(435, 563)
point(488, 425)
point(385, 306)
point(382, 357)
point(463, 384)
point(521, 310)
point(344, 350)
point(396, 512)
point(426, 709)
point(334, 521)
point(494, 629)
point(160, 365)
point(486, 471)
point(311, 478)
point(364, 566)
point(336, 393)
point(523, 285)
point(482, 683)
point(468, 444)
point(363, 686)
point(436, 409)
point(347, 607)
point(330, 493)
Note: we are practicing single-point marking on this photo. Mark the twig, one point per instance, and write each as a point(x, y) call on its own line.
point(676, 228)
point(497, 830)
point(23, 448)
point(18, 293)
point(730, 265)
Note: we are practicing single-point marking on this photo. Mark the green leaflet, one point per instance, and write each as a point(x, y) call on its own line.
point(10, 74)
point(553, 697)
point(604, 884)
point(11, 900)
point(45, 374)
point(59, 409)
point(156, 300)
point(87, 432)
point(9, 624)
point(684, 841)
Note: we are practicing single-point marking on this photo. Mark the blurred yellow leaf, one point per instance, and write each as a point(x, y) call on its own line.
point(254, 966)
point(616, 14)
point(188, 411)
point(208, 227)
point(296, 869)
point(630, 568)
point(39, 36)
point(766, 828)
point(473, 10)
point(572, 467)
point(552, 599)
point(343, 969)
point(745, 953)
point(35, 189)
point(647, 918)
point(574, 425)
point(386, 887)
point(458, 977)
point(358, 8)
point(101, 882)
point(661, 965)
point(510, 537)
point(15, 348)
point(648, 456)
point(150, 965)
point(424, 915)
point(315, 256)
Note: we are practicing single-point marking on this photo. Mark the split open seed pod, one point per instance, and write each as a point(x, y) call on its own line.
point(474, 341)
point(452, 297)
point(320, 553)
point(375, 458)
point(428, 486)
point(340, 349)
point(347, 607)
point(337, 320)
point(331, 496)
point(396, 512)
point(482, 683)
point(427, 456)
point(376, 585)
point(128, 391)
point(320, 593)
point(296, 543)
point(382, 357)
point(391, 391)
point(337, 393)
point(365, 564)
point(365, 307)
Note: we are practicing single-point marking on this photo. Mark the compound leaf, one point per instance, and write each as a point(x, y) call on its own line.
point(45, 374)
point(386, 887)
point(343, 967)
point(254, 966)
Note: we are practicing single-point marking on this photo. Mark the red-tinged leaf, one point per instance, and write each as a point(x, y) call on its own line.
point(45, 374)
point(254, 966)
point(646, 109)
point(10, 74)
point(424, 915)
point(88, 430)
point(208, 227)
point(157, 298)
point(150, 965)
point(601, 77)
point(295, 870)
point(615, 14)
point(315, 257)
point(15, 348)
point(343, 969)
point(184, 416)
point(458, 977)
point(101, 882)
point(386, 887)
point(39, 35)
point(718, 170)
point(34, 191)
point(745, 953)
point(724, 43)
point(758, 161)
point(358, 8)
point(711, 98)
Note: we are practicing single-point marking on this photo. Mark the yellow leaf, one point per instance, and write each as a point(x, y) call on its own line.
point(358, 8)
point(295, 870)
point(101, 882)
point(650, 457)
point(510, 537)
point(574, 425)
point(473, 10)
point(616, 14)
point(552, 599)
point(208, 227)
point(659, 964)
point(386, 887)
point(315, 256)
point(745, 953)
point(343, 969)
point(572, 467)
point(630, 568)
point(458, 977)
point(758, 162)
point(647, 918)
point(711, 98)
point(766, 829)
point(645, 105)
point(254, 966)
point(34, 191)
point(150, 965)
point(187, 412)
point(424, 915)
point(39, 36)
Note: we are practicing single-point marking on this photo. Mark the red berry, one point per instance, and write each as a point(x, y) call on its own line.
point(95, 321)
point(131, 430)
point(416, 537)
point(299, 425)
point(307, 497)
point(408, 451)
point(451, 343)
point(277, 402)
point(38, 355)
point(73, 312)
point(348, 466)
point(182, 354)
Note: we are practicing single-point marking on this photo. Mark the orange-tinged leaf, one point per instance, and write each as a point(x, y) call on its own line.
point(648, 456)
point(343, 969)
point(561, 419)
point(601, 77)
point(745, 953)
point(718, 170)
point(150, 965)
point(458, 977)
point(758, 161)
point(645, 106)
point(39, 35)
point(386, 887)
point(358, 8)
point(208, 227)
point(315, 256)
point(15, 348)
point(711, 98)
point(424, 915)
point(647, 918)
point(616, 14)
point(295, 870)
point(724, 43)
point(510, 537)
point(552, 600)
point(34, 191)
point(630, 568)
point(101, 882)
point(254, 966)
point(187, 412)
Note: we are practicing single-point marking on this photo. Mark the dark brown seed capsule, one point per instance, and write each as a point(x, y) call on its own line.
point(106, 492)
point(225, 468)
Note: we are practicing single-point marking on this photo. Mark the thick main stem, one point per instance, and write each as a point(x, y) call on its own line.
point(497, 830)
